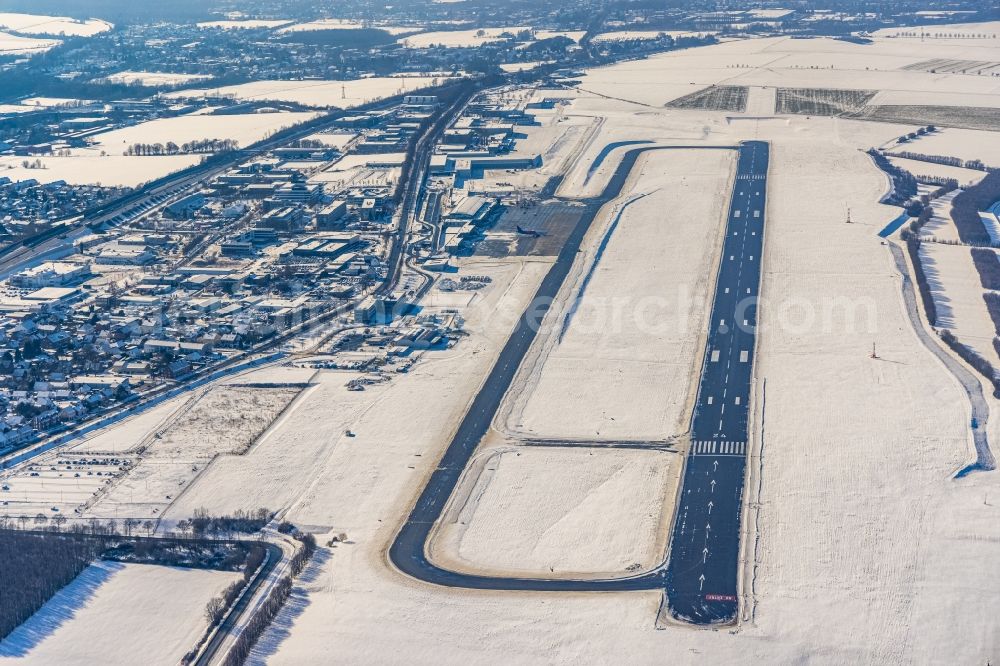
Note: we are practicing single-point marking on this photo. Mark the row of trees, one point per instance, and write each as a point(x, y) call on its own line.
point(923, 286)
point(977, 165)
point(35, 567)
point(973, 358)
point(988, 268)
point(268, 611)
point(966, 207)
point(171, 148)
point(904, 185)
point(245, 522)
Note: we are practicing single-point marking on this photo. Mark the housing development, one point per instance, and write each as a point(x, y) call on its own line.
point(489, 331)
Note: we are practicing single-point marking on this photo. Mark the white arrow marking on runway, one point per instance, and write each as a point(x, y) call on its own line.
point(701, 582)
point(715, 465)
point(710, 505)
point(704, 555)
point(713, 485)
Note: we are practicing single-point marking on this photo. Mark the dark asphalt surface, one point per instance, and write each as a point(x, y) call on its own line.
point(705, 546)
point(701, 586)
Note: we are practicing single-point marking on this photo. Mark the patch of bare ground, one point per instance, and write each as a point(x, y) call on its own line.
point(963, 117)
point(822, 101)
point(714, 98)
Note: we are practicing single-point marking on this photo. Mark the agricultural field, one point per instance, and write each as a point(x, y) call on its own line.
point(963, 117)
point(460, 38)
point(821, 102)
point(955, 66)
point(345, 24)
point(13, 44)
point(714, 98)
point(958, 297)
point(94, 169)
point(33, 24)
point(318, 94)
point(244, 24)
point(155, 78)
point(641, 35)
point(117, 613)
point(244, 129)
point(962, 144)
point(921, 169)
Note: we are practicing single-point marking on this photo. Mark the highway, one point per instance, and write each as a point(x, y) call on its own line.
point(700, 578)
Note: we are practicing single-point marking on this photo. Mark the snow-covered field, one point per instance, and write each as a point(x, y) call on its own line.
point(245, 128)
point(964, 144)
point(940, 225)
point(115, 613)
point(869, 551)
point(862, 545)
point(155, 78)
point(13, 44)
point(815, 63)
point(623, 35)
point(93, 169)
point(918, 168)
point(459, 38)
point(346, 24)
point(971, 34)
point(554, 512)
point(958, 297)
point(620, 362)
point(33, 24)
point(87, 166)
point(520, 66)
point(244, 24)
point(320, 94)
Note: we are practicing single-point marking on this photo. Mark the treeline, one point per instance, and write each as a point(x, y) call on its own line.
point(988, 268)
point(269, 610)
point(245, 522)
point(966, 207)
point(973, 358)
point(948, 161)
point(35, 567)
point(993, 306)
point(171, 148)
point(913, 248)
point(921, 209)
point(359, 38)
point(904, 185)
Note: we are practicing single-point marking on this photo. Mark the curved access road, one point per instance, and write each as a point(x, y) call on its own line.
point(700, 579)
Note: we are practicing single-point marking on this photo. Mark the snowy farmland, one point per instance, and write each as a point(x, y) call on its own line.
point(154, 78)
point(15, 45)
point(244, 24)
point(103, 163)
point(115, 613)
point(245, 129)
point(459, 38)
point(345, 24)
point(319, 94)
point(33, 24)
